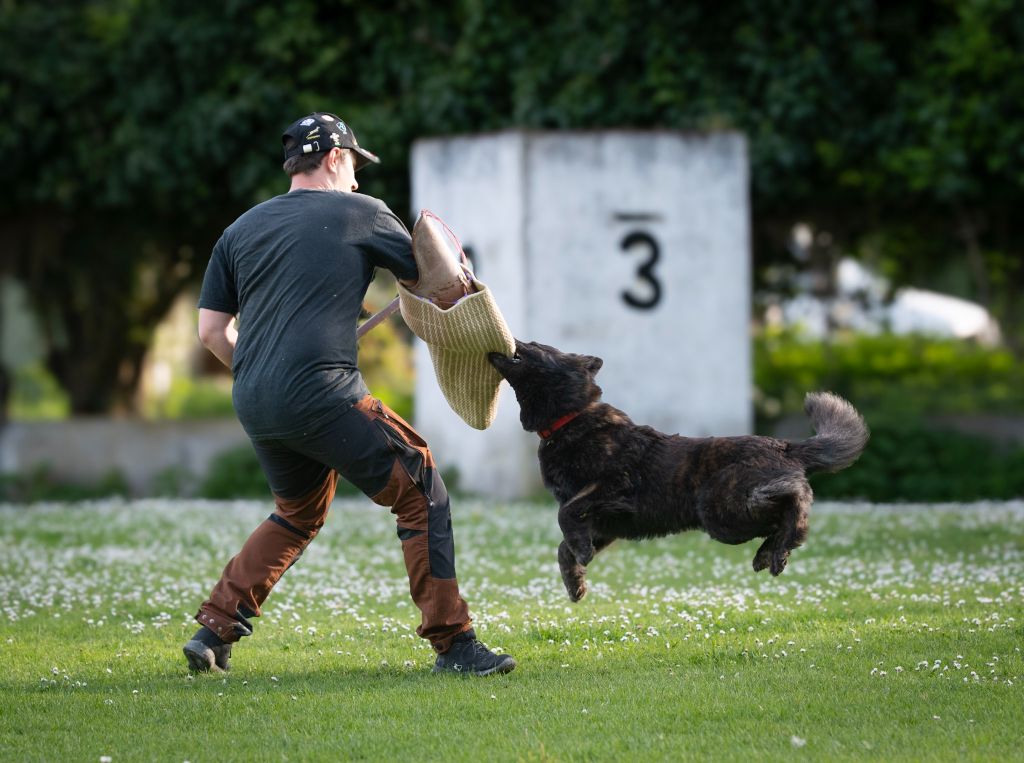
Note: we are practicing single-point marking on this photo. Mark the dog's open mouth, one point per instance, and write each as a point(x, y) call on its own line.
point(498, 360)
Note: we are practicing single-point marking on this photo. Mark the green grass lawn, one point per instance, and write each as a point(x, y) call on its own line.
point(895, 633)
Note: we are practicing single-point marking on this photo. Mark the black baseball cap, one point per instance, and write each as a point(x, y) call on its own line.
point(320, 132)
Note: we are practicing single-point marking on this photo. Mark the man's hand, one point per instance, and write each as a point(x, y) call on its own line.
point(218, 334)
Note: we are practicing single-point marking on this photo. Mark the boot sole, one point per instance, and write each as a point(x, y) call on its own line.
point(505, 667)
point(200, 658)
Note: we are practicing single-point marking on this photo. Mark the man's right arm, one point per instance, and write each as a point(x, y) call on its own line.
point(391, 246)
point(218, 334)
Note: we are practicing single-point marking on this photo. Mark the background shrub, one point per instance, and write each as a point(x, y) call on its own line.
point(907, 374)
point(911, 462)
point(903, 385)
point(236, 473)
point(39, 484)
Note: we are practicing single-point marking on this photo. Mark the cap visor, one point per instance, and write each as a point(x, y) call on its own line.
point(365, 157)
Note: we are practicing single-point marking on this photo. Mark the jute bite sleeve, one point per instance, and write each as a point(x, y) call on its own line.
point(459, 339)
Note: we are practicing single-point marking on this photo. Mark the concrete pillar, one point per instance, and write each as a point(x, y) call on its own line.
point(634, 246)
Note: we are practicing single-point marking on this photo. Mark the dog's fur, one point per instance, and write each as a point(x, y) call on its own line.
point(615, 479)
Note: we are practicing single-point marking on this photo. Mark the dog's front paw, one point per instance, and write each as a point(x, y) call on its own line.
point(575, 581)
point(573, 573)
point(576, 590)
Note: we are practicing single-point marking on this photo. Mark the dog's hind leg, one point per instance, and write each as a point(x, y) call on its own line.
point(763, 557)
point(791, 506)
point(793, 529)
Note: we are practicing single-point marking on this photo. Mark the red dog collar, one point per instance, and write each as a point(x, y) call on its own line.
point(557, 424)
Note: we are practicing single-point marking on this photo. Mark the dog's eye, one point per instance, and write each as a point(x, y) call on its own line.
point(516, 358)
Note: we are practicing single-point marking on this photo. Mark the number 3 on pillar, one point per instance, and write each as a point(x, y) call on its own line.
point(645, 271)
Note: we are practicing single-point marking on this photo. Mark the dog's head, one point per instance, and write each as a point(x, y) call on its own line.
point(548, 383)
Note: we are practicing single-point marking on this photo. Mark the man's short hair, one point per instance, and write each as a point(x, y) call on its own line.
point(303, 164)
point(307, 164)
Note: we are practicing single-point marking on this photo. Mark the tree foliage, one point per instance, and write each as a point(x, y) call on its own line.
point(136, 129)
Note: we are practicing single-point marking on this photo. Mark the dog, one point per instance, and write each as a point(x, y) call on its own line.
point(615, 479)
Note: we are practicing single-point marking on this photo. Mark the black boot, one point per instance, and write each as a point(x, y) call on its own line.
point(470, 657)
point(206, 652)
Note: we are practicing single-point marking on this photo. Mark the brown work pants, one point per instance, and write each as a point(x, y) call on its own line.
point(381, 454)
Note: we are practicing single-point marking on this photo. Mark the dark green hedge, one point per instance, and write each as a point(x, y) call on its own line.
point(909, 374)
point(903, 385)
point(39, 484)
point(910, 462)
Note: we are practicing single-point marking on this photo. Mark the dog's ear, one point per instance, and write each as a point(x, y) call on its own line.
point(592, 363)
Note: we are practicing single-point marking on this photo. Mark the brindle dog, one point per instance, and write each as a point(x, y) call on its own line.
point(615, 479)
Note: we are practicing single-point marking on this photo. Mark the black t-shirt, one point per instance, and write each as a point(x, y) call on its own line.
point(295, 269)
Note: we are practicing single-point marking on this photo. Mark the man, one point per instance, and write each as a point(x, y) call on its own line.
point(294, 270)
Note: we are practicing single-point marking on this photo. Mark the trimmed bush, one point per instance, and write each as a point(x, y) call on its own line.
point(236, 473)
point(911, 462)
point(39, 484)
point(908, 374)
point(901, 384)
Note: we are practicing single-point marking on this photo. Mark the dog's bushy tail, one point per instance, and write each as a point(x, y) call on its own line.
point(841, 434)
